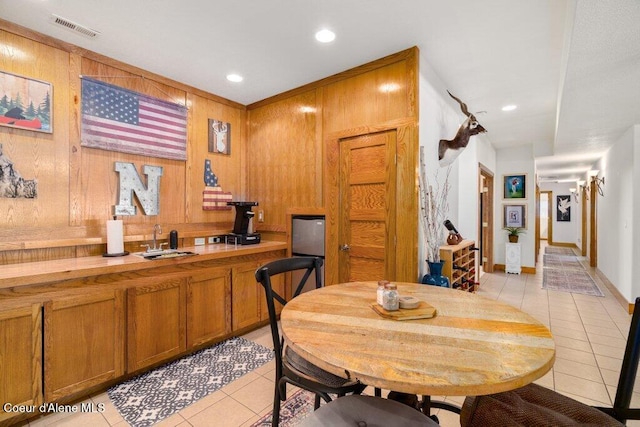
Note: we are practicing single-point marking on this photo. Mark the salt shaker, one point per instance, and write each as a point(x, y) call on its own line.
point(380, 291)
point(390, 299)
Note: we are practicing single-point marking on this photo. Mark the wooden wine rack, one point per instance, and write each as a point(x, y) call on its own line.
point(464, 256)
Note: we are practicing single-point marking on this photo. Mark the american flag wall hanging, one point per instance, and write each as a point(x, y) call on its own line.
point(118, 119)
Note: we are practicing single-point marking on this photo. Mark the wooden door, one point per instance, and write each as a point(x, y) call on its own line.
point(21, 356)
point(156, 322)
point(208, 306)
point(593, 224)
point(537, 223)
point(485, 255)
point(83, 342)
point(367, 181)
point(583, 228)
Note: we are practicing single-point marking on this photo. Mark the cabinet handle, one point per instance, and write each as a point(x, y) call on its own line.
point(345, 247)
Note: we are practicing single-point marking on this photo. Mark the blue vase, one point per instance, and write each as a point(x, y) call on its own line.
point(435, 276)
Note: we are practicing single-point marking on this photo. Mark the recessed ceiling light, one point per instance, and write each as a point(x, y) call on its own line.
point(325, 36)
point(236, 78)
point(509, 107)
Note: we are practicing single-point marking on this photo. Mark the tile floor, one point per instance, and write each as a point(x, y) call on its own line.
point(590, 334)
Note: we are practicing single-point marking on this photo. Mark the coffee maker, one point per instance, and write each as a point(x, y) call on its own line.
point(241, 234)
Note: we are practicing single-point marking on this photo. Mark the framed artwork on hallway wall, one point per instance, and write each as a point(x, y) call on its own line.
point(515, 186)
point(514, 216)
point(563, 208)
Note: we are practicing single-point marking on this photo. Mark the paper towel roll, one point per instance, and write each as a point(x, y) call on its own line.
point(115, 237)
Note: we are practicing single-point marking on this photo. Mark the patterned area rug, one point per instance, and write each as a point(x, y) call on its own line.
point(567, 280)
point(558, 250)
point(295, 408)
point(561, 261)
point(154, 395)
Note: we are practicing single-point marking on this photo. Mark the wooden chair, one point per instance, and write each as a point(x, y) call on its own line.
point(534, 405)
point(291, 367)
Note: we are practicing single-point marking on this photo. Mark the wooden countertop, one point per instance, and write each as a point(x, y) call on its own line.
point(473, 346)
point(14, 275)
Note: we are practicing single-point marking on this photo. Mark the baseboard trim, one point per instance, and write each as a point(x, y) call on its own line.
point(629, 306)
point(565, 244)
point(502, 267)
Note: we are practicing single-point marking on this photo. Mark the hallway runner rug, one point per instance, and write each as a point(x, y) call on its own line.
point(558, 250)
point(566, 280)
point(292, 411)
point(153, 396)
point(561, 261)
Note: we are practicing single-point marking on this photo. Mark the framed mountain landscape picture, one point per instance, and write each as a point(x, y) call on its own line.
point(25, 103)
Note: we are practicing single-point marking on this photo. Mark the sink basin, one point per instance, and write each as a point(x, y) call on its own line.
point(163, 254)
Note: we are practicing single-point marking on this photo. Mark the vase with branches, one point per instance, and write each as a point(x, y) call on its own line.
point(434, 207)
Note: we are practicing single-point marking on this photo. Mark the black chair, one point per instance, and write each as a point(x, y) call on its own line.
point(291, 367)
point(534, 405)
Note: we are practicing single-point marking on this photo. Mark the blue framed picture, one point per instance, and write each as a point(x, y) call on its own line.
point(515, 186)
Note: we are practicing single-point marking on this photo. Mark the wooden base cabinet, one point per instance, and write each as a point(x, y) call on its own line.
point(20, 357)
point(156, 322)
point(246, 296)
point(249, 305)
point(278, 284)
point(83, 342)
point(208, 306)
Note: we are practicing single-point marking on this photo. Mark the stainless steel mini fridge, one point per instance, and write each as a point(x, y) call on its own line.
point(307, 239)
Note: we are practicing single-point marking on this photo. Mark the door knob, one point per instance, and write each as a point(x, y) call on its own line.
point(345, 247)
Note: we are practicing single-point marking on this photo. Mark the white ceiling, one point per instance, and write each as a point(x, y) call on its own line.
point(571, 66)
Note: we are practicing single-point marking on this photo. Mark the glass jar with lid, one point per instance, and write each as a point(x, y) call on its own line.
point(380, 291)
point(390, 298)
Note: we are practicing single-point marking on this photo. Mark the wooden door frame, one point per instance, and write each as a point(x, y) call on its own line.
point(406, 197)
point(583, 234)
point(537, 223)
point(549, 216)
point(593, 225)
point(487, 251)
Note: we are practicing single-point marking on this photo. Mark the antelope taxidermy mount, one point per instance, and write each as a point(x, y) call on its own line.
point(449, 150)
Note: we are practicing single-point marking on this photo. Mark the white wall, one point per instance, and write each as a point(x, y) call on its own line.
point(478, 151)
point(515, 161)
point(440, 117)
point(618, 238)
point(635, 216)
point(567, 232)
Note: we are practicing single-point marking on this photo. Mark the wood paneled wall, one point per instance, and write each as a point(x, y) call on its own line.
point(286, 134)
point(277, 154)
point(284, 164)
point(77, 186)
point(289, 136)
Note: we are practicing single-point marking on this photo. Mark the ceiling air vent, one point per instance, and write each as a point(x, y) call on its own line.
point(76, 28)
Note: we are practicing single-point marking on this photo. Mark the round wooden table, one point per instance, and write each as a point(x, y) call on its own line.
point(473, 346)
